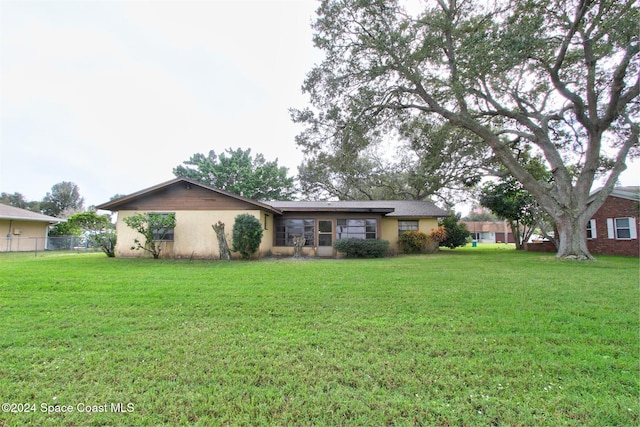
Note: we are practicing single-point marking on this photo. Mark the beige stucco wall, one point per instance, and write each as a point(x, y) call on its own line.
point(389, 229)
point(193, 234)
point(288, 251)
point(32, 235)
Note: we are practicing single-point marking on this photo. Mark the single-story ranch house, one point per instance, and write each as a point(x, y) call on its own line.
point(23, 230)
point(198, 206)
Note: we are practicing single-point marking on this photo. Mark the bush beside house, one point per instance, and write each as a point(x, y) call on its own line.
point(362, 248)
point(247, 235)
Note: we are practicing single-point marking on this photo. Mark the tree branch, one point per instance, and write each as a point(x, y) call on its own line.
point(554, 71)
point(618, 100)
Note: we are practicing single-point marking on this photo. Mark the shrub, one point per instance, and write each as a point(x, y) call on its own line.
point(246, 235)
point(362, 248)
point(456, 232)
point(65, 229)
point(154, 227)
point(413, 242)
point(439, 234)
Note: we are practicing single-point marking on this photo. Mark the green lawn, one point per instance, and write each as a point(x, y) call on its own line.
point(471, 337)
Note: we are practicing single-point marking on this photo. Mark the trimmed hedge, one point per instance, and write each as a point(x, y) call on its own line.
point(362, 248)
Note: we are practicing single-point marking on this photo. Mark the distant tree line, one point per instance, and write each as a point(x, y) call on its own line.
point(61, 202)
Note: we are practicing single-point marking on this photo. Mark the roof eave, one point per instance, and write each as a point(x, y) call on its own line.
point(617, 192)
point(17, 218)
point(114, 204)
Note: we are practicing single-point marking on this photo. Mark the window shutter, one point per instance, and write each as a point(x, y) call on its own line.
point(594, 235)
point(632, 228)
point(610, 231)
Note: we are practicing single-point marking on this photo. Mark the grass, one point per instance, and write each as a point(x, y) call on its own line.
point(471, 337)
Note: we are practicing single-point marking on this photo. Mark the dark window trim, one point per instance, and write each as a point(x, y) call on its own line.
point(343, 227)
point(284, 237)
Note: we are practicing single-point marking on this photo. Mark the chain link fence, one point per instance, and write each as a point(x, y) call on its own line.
point(52, 243)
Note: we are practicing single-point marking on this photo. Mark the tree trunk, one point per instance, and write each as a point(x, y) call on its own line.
point(515, 231)
point(572, 238)
point(298, 244)
point(223, 246)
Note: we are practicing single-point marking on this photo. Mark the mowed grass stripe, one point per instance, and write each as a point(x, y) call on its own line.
point(461, 337)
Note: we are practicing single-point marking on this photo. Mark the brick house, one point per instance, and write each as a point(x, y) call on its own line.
point(614, 228)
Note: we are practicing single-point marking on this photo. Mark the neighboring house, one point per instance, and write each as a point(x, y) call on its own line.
point(614, 228)
point(22, 230)
point(198, 206)
point(490, 231)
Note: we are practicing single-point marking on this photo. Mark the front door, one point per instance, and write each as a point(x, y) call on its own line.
point(325, 238)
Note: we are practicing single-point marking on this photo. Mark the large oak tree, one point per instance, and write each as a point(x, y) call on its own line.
point(557, 77)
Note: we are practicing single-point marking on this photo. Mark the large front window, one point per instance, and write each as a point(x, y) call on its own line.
point(288, 229)
point(357, 228)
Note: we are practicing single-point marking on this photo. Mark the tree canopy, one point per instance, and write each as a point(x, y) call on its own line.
point(511, 202)
point(238, 172)
point(18, 200)
point(63, 201)
point(428, 161)
point(508, 199)
point(558, 77)
point(99, 228)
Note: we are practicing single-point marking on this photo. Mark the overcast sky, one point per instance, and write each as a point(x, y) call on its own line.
point(112, 95)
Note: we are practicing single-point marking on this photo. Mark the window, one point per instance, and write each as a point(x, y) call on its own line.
point(161, 234)
point(591, 229)
point(287, 229)
point(357, 228)
point(407, 226)
point(622, 228)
